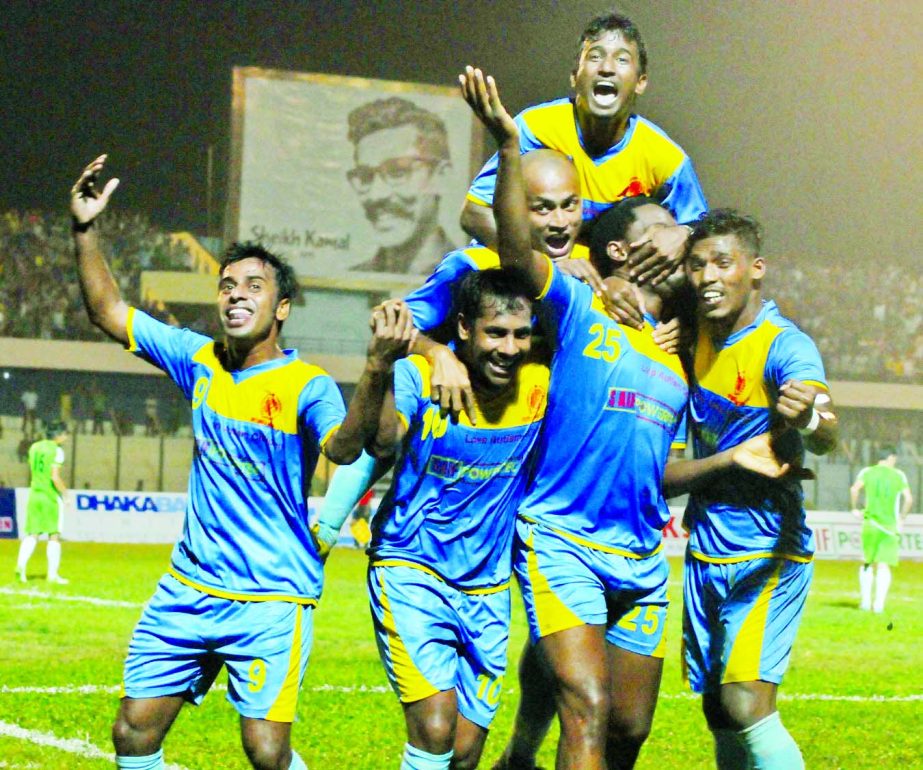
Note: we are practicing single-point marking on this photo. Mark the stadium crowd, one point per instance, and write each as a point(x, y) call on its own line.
point(863, 335)
point(39, 292)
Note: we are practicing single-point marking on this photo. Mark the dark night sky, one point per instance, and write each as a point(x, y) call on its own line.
point(150, 83)
point(806, 113)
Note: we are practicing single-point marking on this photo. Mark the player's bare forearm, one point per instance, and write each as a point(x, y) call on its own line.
point(756, 455)
point(683, 476)
point(478, 222)
point(101, 295)
point(361, 423)
point(514, 241)
point(390, 431)
point(393, 334)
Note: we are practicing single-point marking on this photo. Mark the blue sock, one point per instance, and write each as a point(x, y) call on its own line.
point(417, 759)
point(730, 753)
point(297, 762)
point(770, 746)
point(150, 762)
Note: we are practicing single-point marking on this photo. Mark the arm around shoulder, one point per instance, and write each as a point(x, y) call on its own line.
point(478, 222)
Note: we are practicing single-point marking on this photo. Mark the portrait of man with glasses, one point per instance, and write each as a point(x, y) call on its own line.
point(401, 159)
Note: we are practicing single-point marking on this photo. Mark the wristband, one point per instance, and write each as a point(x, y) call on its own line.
point(808, 429)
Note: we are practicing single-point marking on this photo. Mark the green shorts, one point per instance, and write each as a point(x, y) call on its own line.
point(43, 514)
point(879, 546)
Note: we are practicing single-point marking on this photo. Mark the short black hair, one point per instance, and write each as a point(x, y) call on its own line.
point(612, 225)
point(393, 112)
point(729, 222)
point(503, 288)
point(54, 428)
point(885, 451)
point(286, 281)
point(614, 22)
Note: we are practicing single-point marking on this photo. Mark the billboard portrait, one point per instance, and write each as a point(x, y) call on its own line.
point(359, 183)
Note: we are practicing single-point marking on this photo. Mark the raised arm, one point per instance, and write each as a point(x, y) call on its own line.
point(101, 295)
point(514, 242)
point(392, 334)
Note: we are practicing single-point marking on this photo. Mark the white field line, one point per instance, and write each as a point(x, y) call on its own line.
point(32, 593)
point(94, 689)
point(70, 745)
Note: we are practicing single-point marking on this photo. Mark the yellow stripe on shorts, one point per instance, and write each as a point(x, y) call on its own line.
point(411, 684)
point(744, 661)
point(552, 614)
point(283, 710)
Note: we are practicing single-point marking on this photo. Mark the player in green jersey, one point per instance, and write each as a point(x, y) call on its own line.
point(887, 502)
point(43, 511)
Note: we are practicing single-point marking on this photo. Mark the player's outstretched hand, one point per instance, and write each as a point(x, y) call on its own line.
point(658, 253)
point(393, 332)
point(450, 386)
point(795, 403)
point(87, 202)
point(757, 455)
point(483, 98)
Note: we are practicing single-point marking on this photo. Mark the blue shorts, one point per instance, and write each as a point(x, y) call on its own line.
point(740, 619)
point(185, 636)
point(433, 637)
point(566, 584)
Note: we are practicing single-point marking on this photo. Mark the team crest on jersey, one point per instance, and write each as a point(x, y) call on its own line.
point(536, 400)
point(270, 406)
point(635, 187)
point(740, 385)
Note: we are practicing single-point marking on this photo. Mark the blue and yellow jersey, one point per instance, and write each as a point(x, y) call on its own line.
point(431, 304)
point(741, 515)
point(614, 407)
point(258, 433)
point(452, 504)
point(644, 162)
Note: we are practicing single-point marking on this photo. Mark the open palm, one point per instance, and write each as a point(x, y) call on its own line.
point(87, 202)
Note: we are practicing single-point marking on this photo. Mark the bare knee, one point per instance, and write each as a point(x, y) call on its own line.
point(631, 728)
point(141, 725)
point(431, 722)
point(740, 705)
point(267, 744)
point(583, 707)
point(469, 743)
point(434, 731)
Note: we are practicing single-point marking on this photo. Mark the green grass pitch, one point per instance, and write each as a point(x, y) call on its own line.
point(853, 697)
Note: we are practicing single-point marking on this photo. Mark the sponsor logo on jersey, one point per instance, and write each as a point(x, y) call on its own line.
point(451, 469)
point(646, 408)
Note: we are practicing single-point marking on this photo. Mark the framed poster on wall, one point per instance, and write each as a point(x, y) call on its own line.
point(359, 183)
